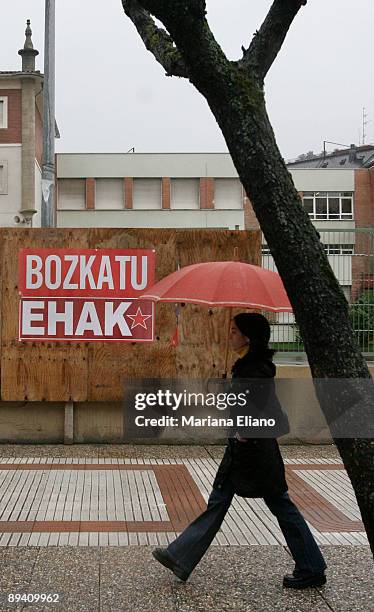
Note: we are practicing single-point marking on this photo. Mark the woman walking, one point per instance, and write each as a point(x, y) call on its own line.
point(249, 468)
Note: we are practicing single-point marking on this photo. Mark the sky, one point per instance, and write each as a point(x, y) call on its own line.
point(112, 95)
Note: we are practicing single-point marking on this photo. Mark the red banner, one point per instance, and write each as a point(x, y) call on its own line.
point(86, 273)
point(90, 295)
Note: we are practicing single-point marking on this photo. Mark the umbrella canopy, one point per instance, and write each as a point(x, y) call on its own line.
point(223, 283)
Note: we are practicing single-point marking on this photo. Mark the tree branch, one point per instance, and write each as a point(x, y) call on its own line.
point(156, 40)
point(266, 43)
point(176, 9)
point(186, 25)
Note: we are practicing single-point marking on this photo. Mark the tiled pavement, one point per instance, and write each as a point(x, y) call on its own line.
point(122, 501)
point(84, 526)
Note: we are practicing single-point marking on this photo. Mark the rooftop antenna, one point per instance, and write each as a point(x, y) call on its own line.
point(325, 142)
point(364, 124)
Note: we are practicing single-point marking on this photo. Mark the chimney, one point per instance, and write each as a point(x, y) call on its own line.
point(352, 153)
point(28, 53)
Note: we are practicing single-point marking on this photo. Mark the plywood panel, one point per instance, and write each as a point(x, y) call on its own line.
point(203, 332)
point(96, 371)
point(110, 364)
point(163, 240)
point(44, 373)
point(110, 368)
point(40, 370)
point(194, 246)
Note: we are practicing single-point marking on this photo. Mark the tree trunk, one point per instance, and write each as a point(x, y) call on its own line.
point(319, 304)
point(235, 96)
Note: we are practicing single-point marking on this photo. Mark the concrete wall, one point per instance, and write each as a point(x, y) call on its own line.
point(28, 144)
point(152, 218)
point(342, 225)
point(10, 203)
point(143, 165)
point(313, 179)
point(24, 422)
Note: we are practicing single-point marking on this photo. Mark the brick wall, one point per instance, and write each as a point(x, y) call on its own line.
point(90, 193)
point(165, 193)
point(250, 219)
point(128, 189)
point(364, 198)
point(206, 193)
point(13, 134)
point(364, 217)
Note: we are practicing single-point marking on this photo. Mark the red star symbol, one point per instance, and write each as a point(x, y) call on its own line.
point(139, 319)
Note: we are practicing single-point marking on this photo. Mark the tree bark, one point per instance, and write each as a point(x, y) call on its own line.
point(234, 92)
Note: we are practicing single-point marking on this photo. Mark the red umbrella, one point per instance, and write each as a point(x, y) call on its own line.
point(223, 283)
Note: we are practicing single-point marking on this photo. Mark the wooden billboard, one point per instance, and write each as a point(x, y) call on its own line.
point(84, 371)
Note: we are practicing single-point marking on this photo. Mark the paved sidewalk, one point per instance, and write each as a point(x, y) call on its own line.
point(81, 521)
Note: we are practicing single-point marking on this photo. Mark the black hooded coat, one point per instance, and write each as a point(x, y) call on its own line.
point(255, 467)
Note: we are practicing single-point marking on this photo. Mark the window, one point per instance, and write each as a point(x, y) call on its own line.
point(331, 249)
point(267, 260)
point(109, 194)
point(71, 194)
point(328, 205)
point(147, 193)
point(339, 249)
point(3, 177)
point(3, 112)
point(185, 193)
point(228, 194)
point(321, 206)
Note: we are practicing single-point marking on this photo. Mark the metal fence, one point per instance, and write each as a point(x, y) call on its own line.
point(351, 256)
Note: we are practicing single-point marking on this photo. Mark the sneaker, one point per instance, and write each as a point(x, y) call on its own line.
point(163, 556)
point(303, 581)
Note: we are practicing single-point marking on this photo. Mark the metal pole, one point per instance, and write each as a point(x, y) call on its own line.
point(227, 341)
point(48, 170)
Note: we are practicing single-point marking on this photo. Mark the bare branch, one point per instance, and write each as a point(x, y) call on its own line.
point(186, 25)
point(266, 43)
point(156, 40)
point(176, 9)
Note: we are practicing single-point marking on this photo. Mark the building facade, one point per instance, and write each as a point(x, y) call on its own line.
point(193, 190)
point(149, 190)
point(203, 190)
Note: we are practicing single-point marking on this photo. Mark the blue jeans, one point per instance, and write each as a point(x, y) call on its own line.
point(189, 547)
